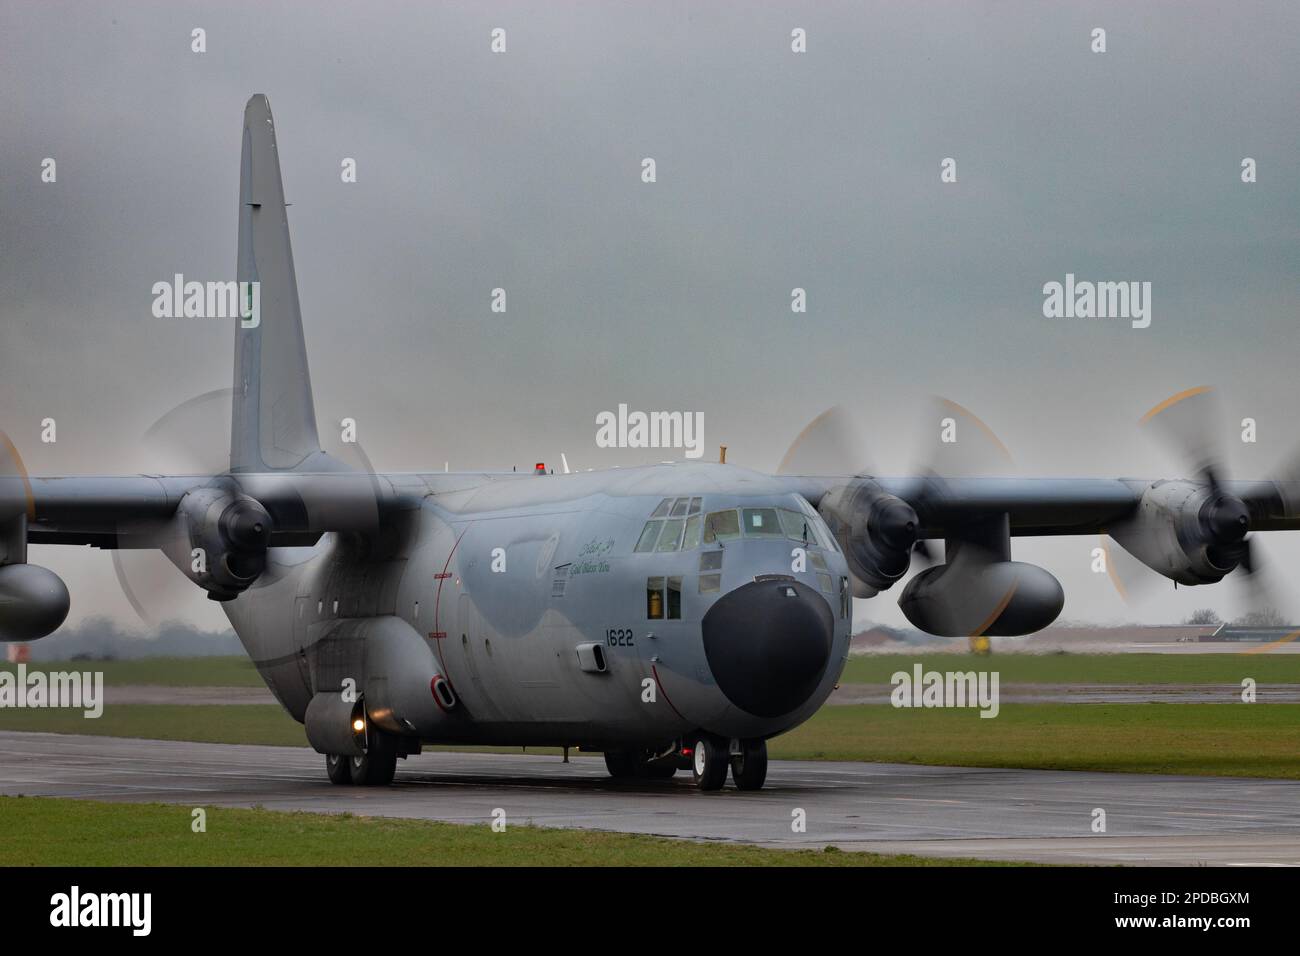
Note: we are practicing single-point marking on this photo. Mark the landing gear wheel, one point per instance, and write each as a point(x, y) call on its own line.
point(709, 762)
point(749, 767)
point(379, 765)
point(337, 768)
point(620, 764)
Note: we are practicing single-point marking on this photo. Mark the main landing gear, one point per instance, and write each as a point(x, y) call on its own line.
point(375, 768)
point(708, 757)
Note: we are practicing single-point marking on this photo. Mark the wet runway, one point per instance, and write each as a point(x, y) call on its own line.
point(890, 808)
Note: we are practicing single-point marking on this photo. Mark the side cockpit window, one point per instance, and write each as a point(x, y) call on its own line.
point(796, 527)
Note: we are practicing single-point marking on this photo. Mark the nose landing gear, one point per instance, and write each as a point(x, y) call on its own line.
point(749, 766)
point(711, 757)
point(709, 761)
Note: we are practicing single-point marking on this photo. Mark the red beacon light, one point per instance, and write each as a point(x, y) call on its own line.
point(539, 468)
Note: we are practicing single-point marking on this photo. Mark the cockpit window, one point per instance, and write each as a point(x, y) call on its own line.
point(817, 527)
point(721, 526)
point(670, 538)
point(678, 525)
point(692, 539)
point(762, 522)
point(824, 536)
point(796, 526)
point(649, 535)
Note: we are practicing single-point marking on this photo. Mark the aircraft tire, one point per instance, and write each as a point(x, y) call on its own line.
point(339, 769)
point(749, 767)
point(620, 764)
point(379, 765)
point(709, 762)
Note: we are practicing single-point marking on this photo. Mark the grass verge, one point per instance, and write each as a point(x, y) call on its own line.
point(49, 832)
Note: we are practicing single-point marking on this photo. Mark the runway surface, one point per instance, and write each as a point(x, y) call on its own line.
point(888, 808)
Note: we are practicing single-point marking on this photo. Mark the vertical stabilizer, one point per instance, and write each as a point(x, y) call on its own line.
point(273, 421)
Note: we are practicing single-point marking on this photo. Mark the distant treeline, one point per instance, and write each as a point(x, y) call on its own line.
point(98, 638)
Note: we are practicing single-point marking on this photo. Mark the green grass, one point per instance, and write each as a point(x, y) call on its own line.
point(1248, 740)
point(164, 671)
point(214, 723)
point(1065, 668)
point(49, 832)
point(1251, 740)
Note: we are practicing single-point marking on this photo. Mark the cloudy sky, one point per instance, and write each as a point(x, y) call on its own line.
point(775, 170)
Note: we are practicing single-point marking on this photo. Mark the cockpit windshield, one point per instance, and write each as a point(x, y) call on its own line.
point(678, 525)
point(721, 526)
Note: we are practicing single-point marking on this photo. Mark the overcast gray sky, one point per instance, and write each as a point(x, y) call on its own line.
point(775, 170)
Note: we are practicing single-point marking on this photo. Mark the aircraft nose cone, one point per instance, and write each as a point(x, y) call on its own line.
point(767, 644)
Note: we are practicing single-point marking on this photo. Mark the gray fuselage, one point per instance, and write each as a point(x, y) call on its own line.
point(501, 584)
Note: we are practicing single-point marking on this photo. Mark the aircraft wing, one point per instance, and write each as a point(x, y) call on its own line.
point(1050, 506)
point(130, 511)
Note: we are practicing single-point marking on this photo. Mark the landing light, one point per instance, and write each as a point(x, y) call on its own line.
point(358, 725)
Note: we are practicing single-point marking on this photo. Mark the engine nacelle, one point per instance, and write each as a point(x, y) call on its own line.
point(997, 598)
point(390, 668)
point(875, 530)
point(222, 547)
point(1186, 531)
point(33, 602)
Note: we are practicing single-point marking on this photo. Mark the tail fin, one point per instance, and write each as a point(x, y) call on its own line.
point(273, 421)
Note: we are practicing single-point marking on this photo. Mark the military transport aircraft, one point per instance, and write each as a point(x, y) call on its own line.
point(669, 616)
